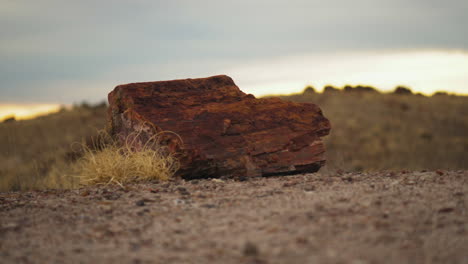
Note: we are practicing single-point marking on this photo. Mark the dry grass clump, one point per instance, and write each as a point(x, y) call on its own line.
point(107, 163)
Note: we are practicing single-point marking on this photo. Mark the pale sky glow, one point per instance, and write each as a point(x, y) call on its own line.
point(26, 111)
point(423, 71)
point(66, 51)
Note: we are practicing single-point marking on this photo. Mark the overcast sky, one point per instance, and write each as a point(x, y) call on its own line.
point(68, 51)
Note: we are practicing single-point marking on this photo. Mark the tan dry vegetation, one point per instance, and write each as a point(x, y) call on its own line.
point(113, 163)
point(35, 153)
point(373, 131)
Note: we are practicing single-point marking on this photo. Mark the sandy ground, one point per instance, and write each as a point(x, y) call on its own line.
point(385, 217)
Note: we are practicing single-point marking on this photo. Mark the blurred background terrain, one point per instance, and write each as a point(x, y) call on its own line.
point(370, 131)
point(37, 153)
point(375, 131)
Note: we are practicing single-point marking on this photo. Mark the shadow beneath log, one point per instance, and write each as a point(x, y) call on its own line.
point(311, 168)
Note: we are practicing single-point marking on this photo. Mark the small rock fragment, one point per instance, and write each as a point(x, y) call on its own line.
point(446, 210)
point(242, 178)
point(140, 202)
point(250, 249)
point(209, 206)
point(183, 191)
point(348, 179)
point(217, 180)
point(302, 240)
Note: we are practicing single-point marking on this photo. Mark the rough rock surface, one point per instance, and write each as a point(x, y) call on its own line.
point(217, 130)
point(326, 217)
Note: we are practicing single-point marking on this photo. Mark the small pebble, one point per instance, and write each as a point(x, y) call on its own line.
point(217, 180)
point(250, 249)
point(302, 240)
point(348, 179)
point(208, 206)
point(242, 178)
point(140, 203)
point(446, 210)
point(183, 191)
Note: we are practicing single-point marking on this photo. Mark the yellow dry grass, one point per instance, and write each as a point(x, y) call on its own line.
point(117, 164)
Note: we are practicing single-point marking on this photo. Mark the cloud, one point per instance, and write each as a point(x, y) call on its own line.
point(424, 71)
point(55, 41)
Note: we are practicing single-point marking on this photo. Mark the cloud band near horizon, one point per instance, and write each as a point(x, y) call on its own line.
point(69, 51)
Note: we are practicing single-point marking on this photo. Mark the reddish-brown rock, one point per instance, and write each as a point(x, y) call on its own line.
point(217, 130)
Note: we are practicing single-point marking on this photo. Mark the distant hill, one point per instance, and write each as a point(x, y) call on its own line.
point(399, 130)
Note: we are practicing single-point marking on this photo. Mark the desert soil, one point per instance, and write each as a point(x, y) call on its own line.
point(385, 217)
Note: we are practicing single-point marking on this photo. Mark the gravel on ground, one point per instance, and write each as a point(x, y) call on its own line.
point(379, 217)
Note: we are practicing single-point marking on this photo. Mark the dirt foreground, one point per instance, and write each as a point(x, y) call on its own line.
point(386, 217)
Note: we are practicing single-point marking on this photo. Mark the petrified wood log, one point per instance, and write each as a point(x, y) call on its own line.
point(217, 130)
